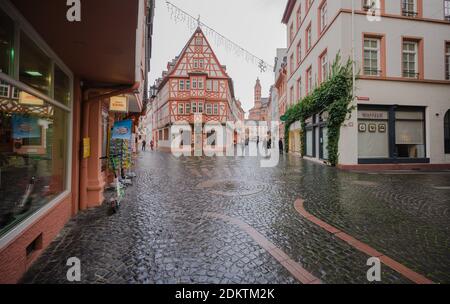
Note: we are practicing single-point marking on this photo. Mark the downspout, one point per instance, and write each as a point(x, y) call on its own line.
point(85, 132)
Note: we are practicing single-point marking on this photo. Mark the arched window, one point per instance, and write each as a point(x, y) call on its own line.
point(447, 132)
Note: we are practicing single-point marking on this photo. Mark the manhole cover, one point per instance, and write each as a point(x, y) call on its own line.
point(227, 187)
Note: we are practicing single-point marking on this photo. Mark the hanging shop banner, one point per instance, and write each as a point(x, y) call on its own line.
point(122, 130)
point(25, 127)
point(118, 104)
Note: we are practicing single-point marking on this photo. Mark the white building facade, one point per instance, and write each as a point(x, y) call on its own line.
point(401, 52)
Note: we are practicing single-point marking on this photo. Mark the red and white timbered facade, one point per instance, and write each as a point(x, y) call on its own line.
point(195, 83)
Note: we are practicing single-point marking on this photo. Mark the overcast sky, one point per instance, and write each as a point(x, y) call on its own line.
point(253, 24)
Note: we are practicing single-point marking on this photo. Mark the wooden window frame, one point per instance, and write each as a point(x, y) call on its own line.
point(382, 55)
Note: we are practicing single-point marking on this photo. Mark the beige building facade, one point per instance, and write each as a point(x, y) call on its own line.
point(401, 53)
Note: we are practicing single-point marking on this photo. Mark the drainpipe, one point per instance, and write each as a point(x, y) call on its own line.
point(83, 184)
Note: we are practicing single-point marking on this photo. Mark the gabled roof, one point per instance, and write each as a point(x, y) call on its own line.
point(173, 65)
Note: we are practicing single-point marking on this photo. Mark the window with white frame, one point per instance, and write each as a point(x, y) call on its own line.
point(208, 107)
point(188, 85)
point(208, 85)
point(200, 107)
point(194, 83)
point(324, 66)
point(409, 8)
point(194, 107)
point(447, 10)
point(310, 81)
point(180, 109)
point(323, 16)
point(188, 108)
point(299, 52)
point(410, 62)
point(372, 53)
point(181, 85)
point(200, 83)
point(308, 38)
point(447, 61)
point(195, 63)
point(4, 89)
point(201, 63)
point(216, 109)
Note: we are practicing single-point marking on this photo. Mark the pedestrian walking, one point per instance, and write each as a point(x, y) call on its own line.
point(280, 146)
point(143, 145)
point(152, 144)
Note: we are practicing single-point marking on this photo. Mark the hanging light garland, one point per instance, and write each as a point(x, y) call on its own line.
point(180, 16)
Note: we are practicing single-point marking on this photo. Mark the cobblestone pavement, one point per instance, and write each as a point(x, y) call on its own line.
point(162, 233)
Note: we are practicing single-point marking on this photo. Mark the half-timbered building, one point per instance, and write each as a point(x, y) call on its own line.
point(195, 83)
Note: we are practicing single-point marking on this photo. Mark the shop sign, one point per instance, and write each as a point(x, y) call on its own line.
point(28, 99)
point(118, 104)
point(86, 147)
point(377, 115)
point(122, 130)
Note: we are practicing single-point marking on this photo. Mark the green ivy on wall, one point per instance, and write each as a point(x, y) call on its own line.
point(334, 96)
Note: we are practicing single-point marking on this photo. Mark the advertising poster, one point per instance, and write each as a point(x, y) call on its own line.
point(122, 130)
point(25, 127)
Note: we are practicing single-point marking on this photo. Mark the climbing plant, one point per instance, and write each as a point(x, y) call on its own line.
point(334, 96)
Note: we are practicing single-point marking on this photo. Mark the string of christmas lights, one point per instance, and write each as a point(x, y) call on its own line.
point(178, 15)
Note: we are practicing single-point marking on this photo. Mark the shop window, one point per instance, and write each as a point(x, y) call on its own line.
point(33, 156)
point(373, 134)
point(6, 44)
point(62, 86)
point(309, 143)
point(447, 132)
point(34, 66)
point(409, 134)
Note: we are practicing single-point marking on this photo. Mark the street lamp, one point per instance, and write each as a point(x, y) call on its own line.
point(153, 91)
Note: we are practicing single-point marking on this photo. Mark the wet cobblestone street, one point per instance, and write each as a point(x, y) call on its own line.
point(164, 232)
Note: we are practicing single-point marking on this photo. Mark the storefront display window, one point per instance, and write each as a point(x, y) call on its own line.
point(410, 134)
point(309, 143)
point(391, 134)
point(6, 43)
point(33, 156)
point(35, 67)
point(373, 134)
